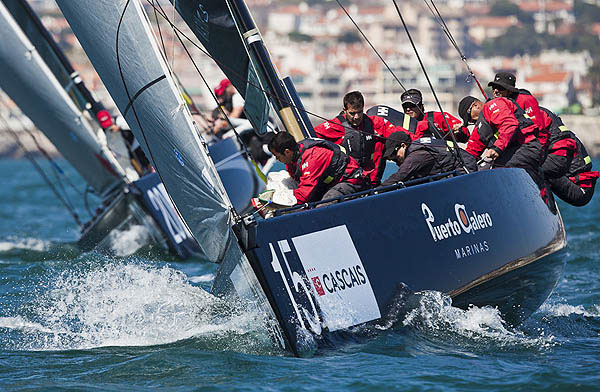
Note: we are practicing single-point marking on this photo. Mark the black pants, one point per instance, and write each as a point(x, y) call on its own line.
point(570, 192)
point(341, 189)
point(556, 166)
point(527, 156)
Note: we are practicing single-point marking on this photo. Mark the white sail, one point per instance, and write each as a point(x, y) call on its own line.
point(28, 81)
point(118, 40)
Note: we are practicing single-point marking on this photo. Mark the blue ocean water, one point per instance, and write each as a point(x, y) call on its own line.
point(142, 320)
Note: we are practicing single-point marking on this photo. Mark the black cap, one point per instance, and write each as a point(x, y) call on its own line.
point(505, 80)
point(413, 96)
point(394, 141)
point(463, 106)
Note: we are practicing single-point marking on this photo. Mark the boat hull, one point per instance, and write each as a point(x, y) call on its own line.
point(331, 268)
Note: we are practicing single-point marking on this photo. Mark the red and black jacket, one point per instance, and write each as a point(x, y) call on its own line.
point(437, 119)
point(365, 144)
point(561, 141)
point(318, 166)
point(501, 124)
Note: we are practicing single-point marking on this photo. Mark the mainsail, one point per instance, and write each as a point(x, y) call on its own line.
point(213, 25)
point(39, 37)
point(117, 38)
point(30, 83)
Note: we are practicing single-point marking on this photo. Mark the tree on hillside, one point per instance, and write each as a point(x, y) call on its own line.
point(508, 8)
point(516, 41)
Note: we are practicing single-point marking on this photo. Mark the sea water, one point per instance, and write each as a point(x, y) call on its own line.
point(140, 320)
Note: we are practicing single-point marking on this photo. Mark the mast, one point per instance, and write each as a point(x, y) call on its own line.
point(279, 98)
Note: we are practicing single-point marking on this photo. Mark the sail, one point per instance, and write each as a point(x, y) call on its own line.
point(117, 38)
point(32, 86)
point(213, 25)
point(38, 35)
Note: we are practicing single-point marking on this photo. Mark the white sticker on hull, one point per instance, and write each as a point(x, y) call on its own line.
point(337, 277)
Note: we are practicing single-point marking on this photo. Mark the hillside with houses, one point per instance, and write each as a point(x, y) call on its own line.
point(553, 47)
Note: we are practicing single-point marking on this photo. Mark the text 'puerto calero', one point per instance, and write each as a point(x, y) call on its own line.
point(462, 222)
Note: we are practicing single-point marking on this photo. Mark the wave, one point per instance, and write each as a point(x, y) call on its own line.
point(131, 304)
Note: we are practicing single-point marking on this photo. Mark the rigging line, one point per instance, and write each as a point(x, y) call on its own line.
point(431, 123)
point(57, 170)
point(118, 58)
point(219, 106)
point(187, 97)
point(239, 139)
point(243, 77)
point(438, 16)
point(41, 172)
point(453, 148)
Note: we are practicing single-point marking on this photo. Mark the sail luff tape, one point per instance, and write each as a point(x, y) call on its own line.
point(292, 126)
point(252, 36)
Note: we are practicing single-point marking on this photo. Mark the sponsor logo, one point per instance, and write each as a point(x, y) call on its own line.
point(369, 137)
point(342, 279)
point(382, 111)
point(318, 286)
point(179, 157)
point(201, 22)
point(464, 223)
point(471, 249)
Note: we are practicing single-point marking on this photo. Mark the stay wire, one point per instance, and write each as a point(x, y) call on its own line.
point(193, 107)
point(219, 106)
point(417, 108)
point(454, 147)
point(438, 17)
point(180, 33)
point(243, 77)
point(41, 172)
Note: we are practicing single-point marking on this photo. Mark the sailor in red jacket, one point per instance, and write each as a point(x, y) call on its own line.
point(322, 168)
point(412, 104)
point(503, 85)
point(362, 136)
point(502, 128)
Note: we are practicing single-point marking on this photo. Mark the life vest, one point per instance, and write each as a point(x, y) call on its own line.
point(360, 144)
point(336, 171)
point(581, 162)
point(445, 160)
point(557, 129)
point(488, 133)
point(428, 132)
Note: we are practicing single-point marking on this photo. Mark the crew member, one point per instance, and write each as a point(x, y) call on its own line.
point(576, 187)
point(322, 168)
point(561, 149)
point(361, 135)
point(412, 104)
point(503, 85)
point(509, 136)
point(423, 157)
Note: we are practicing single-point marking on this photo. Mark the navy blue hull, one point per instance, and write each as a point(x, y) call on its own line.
point(471, 236)
point(236, 173)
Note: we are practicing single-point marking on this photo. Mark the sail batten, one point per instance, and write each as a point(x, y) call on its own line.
point(30, 83)
point(118, 40)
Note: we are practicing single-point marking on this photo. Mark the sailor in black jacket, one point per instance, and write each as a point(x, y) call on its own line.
point(422, 157)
